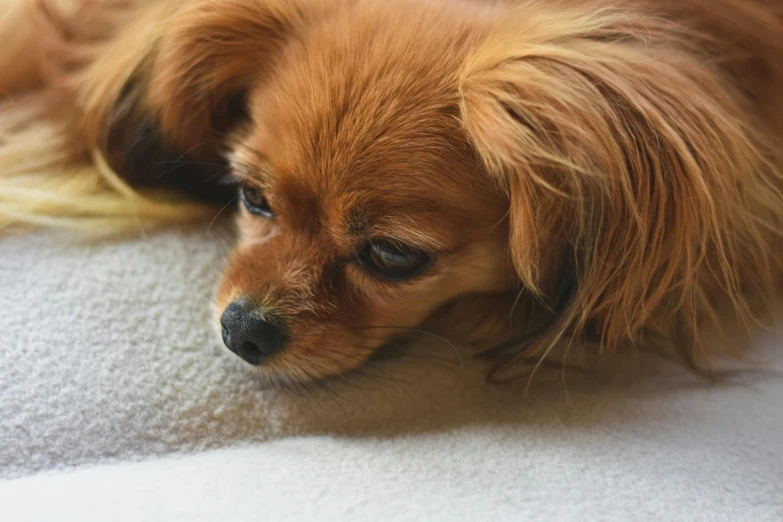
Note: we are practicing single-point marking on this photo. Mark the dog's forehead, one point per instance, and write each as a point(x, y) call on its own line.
point(360, 159)
point(362, 121)
point(359, 122)
point(360, 92)
point(409, 177)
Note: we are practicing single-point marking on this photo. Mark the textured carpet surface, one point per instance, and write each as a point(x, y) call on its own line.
point(117, 402)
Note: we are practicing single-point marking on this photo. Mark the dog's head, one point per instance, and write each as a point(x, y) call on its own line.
point(364, 207)
point(393, 157)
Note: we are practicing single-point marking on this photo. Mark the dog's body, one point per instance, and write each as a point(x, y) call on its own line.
point(587, 168)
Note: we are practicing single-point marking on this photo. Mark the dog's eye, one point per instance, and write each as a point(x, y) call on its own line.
point(394, 261)
point(255, 201)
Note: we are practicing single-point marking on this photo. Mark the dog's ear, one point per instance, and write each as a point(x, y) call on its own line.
point(628, 162)
point(167, 91)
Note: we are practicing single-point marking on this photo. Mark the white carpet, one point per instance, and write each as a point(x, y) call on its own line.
point(118, 402)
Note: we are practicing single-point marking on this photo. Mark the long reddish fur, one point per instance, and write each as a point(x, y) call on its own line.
point(636, 144)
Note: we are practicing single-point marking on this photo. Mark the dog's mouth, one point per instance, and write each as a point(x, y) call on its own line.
point(281, 357)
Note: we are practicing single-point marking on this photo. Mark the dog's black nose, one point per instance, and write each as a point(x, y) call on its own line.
point(249, 334)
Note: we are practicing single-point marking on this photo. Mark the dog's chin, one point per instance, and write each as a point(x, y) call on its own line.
point(269, 378)
point(289, 370)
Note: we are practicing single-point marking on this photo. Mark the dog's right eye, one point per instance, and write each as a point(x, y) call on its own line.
point(393, 261)
point(255, 202)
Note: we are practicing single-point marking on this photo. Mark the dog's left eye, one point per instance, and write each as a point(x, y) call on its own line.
point(393, 261)
point(255, 201)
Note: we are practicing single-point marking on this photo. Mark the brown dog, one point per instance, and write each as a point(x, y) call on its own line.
point(536, 172)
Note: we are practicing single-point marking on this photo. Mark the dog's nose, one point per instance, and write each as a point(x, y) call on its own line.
point(249, 334)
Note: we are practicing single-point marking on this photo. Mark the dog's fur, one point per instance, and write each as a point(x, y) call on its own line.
point(577, 168)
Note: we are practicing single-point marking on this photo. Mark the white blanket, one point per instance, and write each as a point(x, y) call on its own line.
point(118, 402)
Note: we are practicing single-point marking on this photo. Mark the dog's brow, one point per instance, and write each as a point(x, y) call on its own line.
point(256, 172)
point(356, 223)
point(361, 227)
point(408, 232)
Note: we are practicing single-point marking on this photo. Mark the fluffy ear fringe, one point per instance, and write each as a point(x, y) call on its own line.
point(82, 90)
point(50, 176)
point(618, 136)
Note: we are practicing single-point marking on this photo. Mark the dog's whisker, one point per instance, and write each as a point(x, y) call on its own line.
point(184, 162)
point(419, 331)
point(209, 228)
point(430, 361)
